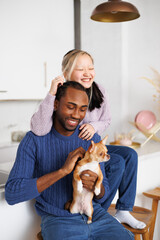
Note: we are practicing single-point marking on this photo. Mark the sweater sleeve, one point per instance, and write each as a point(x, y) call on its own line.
point(21, 186)
point(41, 121)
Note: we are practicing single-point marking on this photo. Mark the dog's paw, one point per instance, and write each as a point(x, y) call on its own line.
point(80, 186)
point(97, 191)
point(89, 221)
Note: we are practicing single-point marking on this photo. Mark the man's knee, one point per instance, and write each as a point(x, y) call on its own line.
point(132, 156)
point(116, 164)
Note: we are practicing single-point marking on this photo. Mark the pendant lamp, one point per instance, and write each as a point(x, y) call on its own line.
point(115, 11)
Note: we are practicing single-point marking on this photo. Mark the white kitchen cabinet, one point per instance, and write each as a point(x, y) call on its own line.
point(34, 36)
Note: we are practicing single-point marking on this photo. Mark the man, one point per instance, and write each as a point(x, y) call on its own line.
point(43, 170)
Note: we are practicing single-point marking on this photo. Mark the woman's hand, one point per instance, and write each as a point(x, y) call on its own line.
point(55, 83)
point(87, 131)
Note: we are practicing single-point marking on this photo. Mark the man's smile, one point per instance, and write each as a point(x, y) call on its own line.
point(73, 122)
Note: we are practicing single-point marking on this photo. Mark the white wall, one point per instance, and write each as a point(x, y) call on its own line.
point(143, 53)
point(123, 53)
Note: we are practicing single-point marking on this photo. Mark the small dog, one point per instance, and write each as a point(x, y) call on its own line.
point(82, 198)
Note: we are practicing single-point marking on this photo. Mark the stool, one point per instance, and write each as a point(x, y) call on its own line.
point(155, 195)
point(141, 214)
point(39, 236)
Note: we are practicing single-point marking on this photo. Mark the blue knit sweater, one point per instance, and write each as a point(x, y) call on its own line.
point(37, 156)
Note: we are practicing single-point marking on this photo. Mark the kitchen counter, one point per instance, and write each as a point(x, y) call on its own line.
point(149, 148)
point(7, 157)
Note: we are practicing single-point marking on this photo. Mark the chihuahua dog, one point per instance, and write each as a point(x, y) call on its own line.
point(82, 198)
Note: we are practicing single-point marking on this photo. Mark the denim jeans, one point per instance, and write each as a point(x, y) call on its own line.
point(121, 171)
point(103, 227)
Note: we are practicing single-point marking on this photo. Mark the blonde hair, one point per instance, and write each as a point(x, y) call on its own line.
point(69, 61)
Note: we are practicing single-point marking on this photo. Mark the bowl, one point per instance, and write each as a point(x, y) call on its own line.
point(145, 119)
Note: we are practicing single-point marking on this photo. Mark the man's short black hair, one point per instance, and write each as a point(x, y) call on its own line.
point(62, 89)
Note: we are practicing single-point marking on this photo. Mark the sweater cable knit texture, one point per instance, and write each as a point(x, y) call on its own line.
point(38, 156)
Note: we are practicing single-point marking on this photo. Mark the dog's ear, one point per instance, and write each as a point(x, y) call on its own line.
point(104, 140)
point(91, 147)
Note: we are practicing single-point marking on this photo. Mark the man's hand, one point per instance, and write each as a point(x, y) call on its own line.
point(72, 159)
point(89, 179)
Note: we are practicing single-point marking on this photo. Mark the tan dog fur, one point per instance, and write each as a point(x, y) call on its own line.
point(82, 198)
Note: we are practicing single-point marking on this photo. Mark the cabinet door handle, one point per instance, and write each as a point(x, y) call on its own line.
point(3, 91)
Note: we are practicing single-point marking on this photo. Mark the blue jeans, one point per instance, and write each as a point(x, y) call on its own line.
point(104, 227)
point(121, 171)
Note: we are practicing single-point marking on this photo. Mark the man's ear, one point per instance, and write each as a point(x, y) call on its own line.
point(56, 102)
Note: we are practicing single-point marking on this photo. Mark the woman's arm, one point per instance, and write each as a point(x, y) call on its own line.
point(41, 121)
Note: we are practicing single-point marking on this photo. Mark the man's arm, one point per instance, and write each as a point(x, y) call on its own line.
point(21, 186)
point(49, 179)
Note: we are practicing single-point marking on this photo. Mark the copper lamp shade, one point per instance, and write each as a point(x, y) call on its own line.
point(115, 11)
